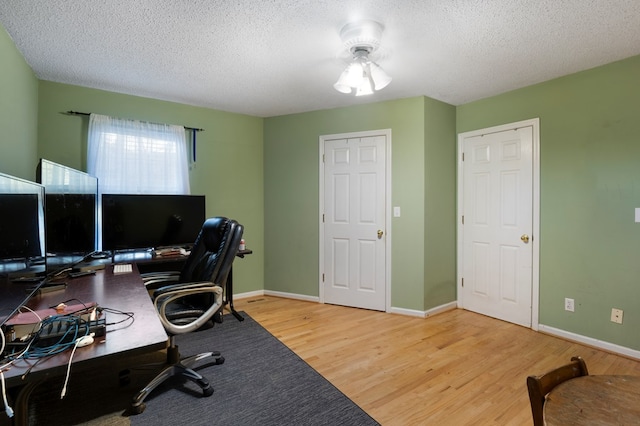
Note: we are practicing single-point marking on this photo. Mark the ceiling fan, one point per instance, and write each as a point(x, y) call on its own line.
point(362, 76)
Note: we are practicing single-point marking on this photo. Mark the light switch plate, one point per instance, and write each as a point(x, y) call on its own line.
point(396, 212)
point(637, 214)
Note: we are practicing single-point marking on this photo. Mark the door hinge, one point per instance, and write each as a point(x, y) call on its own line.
point(463, 156)
point(463, 282)
point(463, 219)
point(322, 217)
point(323, 277)
point(323, 158)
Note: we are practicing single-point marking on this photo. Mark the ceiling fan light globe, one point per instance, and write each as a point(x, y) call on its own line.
point(342, 85)
point(381, 79)
point(350, 78)
point(355, 74)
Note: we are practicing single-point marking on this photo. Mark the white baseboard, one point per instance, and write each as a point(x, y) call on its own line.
point(258, 293)
point(248, 294)
point(424, 314)
point(407, 312)
point(292, 296)
point(589, 341)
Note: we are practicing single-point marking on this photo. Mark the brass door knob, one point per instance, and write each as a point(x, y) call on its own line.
point(524, 238)
point(380, 233)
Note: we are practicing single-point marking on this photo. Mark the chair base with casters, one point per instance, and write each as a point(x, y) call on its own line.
point(176, 316)
point(177, 367)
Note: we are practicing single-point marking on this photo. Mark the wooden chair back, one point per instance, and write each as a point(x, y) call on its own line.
point(540, 386)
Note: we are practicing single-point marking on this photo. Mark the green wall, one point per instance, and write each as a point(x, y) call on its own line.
point(423, 144)
point(228, 169)
point(18, 111)
point(440, 201)
point(589, 188)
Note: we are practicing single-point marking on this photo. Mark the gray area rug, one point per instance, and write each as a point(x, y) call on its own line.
point(262, 382)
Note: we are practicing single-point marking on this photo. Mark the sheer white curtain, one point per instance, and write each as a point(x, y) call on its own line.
point(136, 157)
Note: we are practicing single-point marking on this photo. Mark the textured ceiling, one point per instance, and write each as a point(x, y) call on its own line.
point(274, 57)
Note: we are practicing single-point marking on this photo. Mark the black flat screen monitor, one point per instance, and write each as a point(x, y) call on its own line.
point(131, 222)
point(70, 223)
point(19, 227)
point(21, 242)
point(21, 220)
point(70, 209)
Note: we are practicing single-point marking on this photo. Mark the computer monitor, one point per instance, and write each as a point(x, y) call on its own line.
point(71, 209)
point(131, 222)
point(70, 223)
point(21, 221)
point(22, 243)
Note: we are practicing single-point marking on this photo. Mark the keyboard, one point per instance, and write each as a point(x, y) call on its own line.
point(122, 268)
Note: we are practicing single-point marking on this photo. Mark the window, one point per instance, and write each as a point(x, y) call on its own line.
point(135, 157)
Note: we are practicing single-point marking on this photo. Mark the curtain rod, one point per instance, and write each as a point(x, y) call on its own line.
point(195, 129)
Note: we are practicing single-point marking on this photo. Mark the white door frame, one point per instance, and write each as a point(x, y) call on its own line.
point(535, 240)
point(387, 207)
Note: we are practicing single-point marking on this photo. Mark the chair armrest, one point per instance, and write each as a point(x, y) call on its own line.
point(163, 296)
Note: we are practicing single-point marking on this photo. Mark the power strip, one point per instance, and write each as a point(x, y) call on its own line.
point(63, 331)
point(54, 333)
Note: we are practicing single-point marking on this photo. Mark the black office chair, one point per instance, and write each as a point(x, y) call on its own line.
point(188, 301)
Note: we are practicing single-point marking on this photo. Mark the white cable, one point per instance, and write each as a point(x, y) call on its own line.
point(7, 407)
point(80, 341)
point(32, 311)
point(4, 342)
point(36, 326)
point(66, 379)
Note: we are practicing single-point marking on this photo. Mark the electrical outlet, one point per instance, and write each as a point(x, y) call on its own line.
point(569, 304)
point(616, 315)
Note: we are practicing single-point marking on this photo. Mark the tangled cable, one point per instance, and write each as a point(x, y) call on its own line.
point(75, 328)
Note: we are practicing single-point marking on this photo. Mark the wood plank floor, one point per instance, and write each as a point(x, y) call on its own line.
point(454, 368)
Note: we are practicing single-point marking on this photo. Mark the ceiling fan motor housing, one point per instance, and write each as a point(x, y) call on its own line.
point(361, 36)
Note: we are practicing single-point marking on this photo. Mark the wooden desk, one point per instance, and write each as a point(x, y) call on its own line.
point(122, 292)
point(594, 400)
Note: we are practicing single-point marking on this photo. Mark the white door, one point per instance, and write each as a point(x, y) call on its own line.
point(353, 240)
point(498, 224)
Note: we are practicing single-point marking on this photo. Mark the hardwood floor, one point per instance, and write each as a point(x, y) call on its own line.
point(454, 368)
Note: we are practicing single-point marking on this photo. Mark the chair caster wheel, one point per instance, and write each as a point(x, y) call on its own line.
point(219, 360)
point(208, 391)
point(138, 409)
